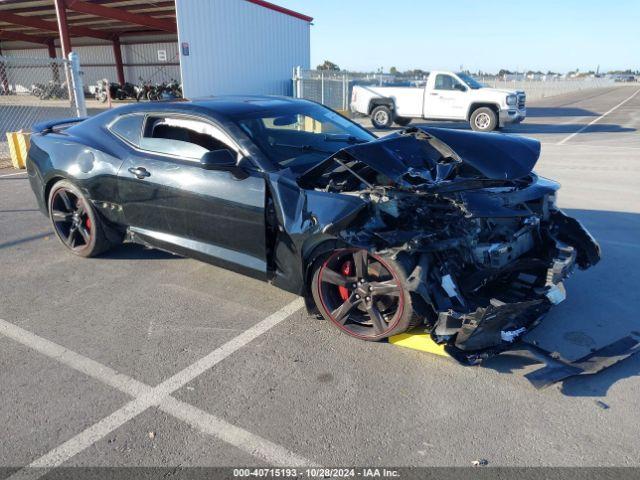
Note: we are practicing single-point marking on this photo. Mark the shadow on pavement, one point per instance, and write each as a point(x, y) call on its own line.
point(602, 307)
point(131, 251)
point(30, 238)
point(559, 112)
point(566, 128)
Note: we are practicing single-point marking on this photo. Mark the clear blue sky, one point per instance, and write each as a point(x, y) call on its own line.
point(559, 35)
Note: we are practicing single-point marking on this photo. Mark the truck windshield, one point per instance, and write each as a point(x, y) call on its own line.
point(300, 134)
point(471, 82)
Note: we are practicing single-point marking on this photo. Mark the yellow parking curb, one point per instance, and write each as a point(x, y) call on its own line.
point(18, 148)
point(419, 341)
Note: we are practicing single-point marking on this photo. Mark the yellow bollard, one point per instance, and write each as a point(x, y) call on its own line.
point(418, 341)
point(18, 148)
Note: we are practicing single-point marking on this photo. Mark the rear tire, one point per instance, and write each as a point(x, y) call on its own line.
point(75, 222)
point(381, 117)
point(483, 119)
point(402, 121)
point(363, 293)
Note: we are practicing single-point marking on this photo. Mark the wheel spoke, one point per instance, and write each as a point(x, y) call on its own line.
point(335, 278)
point(71, 238)
point(66, 200)
point(388, 287)
point(360, 262)
point(80, 207)
point(60, 216)
point(341, 314)
point(85, 234)
point(379, 325)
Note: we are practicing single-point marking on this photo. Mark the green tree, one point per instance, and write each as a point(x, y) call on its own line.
point(327, 65)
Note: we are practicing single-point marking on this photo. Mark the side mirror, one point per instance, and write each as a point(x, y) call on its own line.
point(222, 159)
point(459, 87)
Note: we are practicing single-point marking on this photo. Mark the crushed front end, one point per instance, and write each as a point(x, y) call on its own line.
point(486, 246)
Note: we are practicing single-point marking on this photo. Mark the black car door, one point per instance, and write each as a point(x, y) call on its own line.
point(171, 202)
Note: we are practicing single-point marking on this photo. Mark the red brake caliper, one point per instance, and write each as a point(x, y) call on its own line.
point(346, 270)
point(87, 223)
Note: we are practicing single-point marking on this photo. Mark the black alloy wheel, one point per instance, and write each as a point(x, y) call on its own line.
point(75, 222)
point(362, 294)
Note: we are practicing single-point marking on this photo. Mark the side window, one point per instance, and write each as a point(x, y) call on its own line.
point(181, 137)
point(446, 82)
point(303, 123)
point(128, 128)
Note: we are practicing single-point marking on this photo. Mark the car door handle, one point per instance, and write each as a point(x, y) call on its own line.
point(139, 172)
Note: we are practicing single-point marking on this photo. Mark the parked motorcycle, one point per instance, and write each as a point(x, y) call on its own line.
point(142, 90)
point(174, 89)
point(145, 90)
point(115, 91)
point(51, 90)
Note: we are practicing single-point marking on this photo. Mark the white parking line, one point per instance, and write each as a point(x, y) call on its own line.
point(565, 140)
point(74, 360)
point(147, 396)
point(11, 174)
point(253, 444)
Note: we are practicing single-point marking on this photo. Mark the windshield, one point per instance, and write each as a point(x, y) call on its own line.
point(473, 83)
point(300, 135)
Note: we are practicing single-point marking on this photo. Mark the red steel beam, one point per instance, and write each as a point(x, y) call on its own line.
point(3, 76)
point(52, 49)
point(278, 8)
point(51, 26)
point(63, 28)
point(54, 66)
point(121, 15)
point(47, 10)
point(117, 54)
point(21, 37)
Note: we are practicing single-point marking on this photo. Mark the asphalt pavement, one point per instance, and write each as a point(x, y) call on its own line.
point(140, 358)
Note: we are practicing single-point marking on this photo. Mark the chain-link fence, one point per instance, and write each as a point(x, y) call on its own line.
point(33, 90)
point(329, 88)
point(333, 89)
point(536, 89)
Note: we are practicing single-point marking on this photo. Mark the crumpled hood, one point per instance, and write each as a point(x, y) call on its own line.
point(495, 155)
point(410, 153)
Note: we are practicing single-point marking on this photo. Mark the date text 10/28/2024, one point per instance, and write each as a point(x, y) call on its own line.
point(316, 472)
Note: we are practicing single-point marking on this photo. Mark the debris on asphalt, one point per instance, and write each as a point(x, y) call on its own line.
point(602, 405)
point(152, 435)
point(480, 463)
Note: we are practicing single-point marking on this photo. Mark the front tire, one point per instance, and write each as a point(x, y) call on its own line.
point(363, 293)
point(75, 222)
point(483, 119)
point(381, 117)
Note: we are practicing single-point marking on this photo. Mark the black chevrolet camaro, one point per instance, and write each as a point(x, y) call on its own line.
point(449, 230)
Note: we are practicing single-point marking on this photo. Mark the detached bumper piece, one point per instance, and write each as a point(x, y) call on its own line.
point(476, 336)
point(558, 369)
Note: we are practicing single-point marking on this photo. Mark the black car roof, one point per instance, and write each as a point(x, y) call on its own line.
point(220, 106)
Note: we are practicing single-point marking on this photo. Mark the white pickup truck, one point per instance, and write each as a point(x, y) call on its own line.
point(446, 96)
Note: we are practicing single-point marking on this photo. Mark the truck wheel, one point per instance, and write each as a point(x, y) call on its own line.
point(381, 117)
point(483, 119)
point(402, 121)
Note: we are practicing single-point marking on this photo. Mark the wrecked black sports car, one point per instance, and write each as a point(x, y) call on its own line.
point(446, 229)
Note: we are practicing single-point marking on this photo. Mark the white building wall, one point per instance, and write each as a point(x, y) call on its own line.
point(238, 47)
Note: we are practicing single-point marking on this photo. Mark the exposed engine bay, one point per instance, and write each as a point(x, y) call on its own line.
point(487, 248)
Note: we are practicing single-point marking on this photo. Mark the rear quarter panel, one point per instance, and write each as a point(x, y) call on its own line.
point(71, 156)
